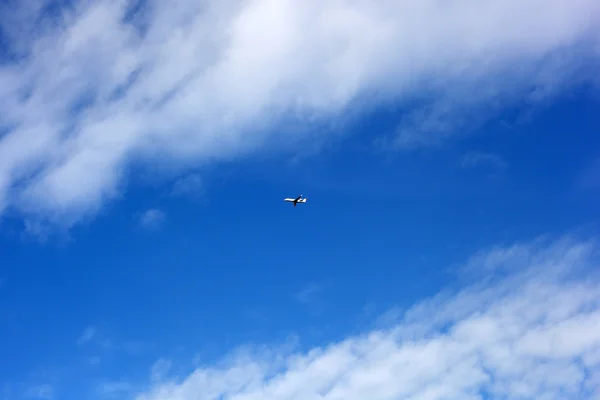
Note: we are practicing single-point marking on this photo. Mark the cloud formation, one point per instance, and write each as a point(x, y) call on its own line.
point(531, 332)
point(95, 88)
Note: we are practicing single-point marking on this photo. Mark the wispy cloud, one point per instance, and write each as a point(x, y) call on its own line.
point(86, 336)
point(36, 229)
point(311, 297)
point(110, 344)
point(114, 389)
point(308, 293)
point(94, 360)
point(89, 93)
point(482, 159)
point(152, 219)
point(160, 370)
point(532, 333)
point(41, 392)
point(189, 186)
point(127, 346)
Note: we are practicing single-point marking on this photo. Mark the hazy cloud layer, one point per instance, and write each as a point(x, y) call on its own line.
point(108, 83)
point(534, 333)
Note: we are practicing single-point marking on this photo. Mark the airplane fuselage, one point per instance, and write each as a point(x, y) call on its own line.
point(297, 200)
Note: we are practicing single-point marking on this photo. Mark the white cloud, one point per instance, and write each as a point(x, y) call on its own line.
point(91, 93)
point(152, 218)
point(534, 333)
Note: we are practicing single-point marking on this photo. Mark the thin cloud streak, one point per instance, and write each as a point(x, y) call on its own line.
point(86, 336)
point(99, 89)
point(533, 333)
point(478, 159)
point(308, 293)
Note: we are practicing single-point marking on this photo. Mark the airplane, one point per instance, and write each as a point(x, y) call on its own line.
point(298, 199)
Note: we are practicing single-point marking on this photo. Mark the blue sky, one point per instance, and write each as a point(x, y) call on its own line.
point(451, 161)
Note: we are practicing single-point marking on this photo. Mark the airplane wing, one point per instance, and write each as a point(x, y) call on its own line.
point(298, 199)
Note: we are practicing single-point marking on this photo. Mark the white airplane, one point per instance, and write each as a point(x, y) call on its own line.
point(297, 200)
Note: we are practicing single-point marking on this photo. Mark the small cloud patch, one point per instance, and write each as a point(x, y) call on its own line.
point(86, 336)
point(152, 219)
point(188, 186)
